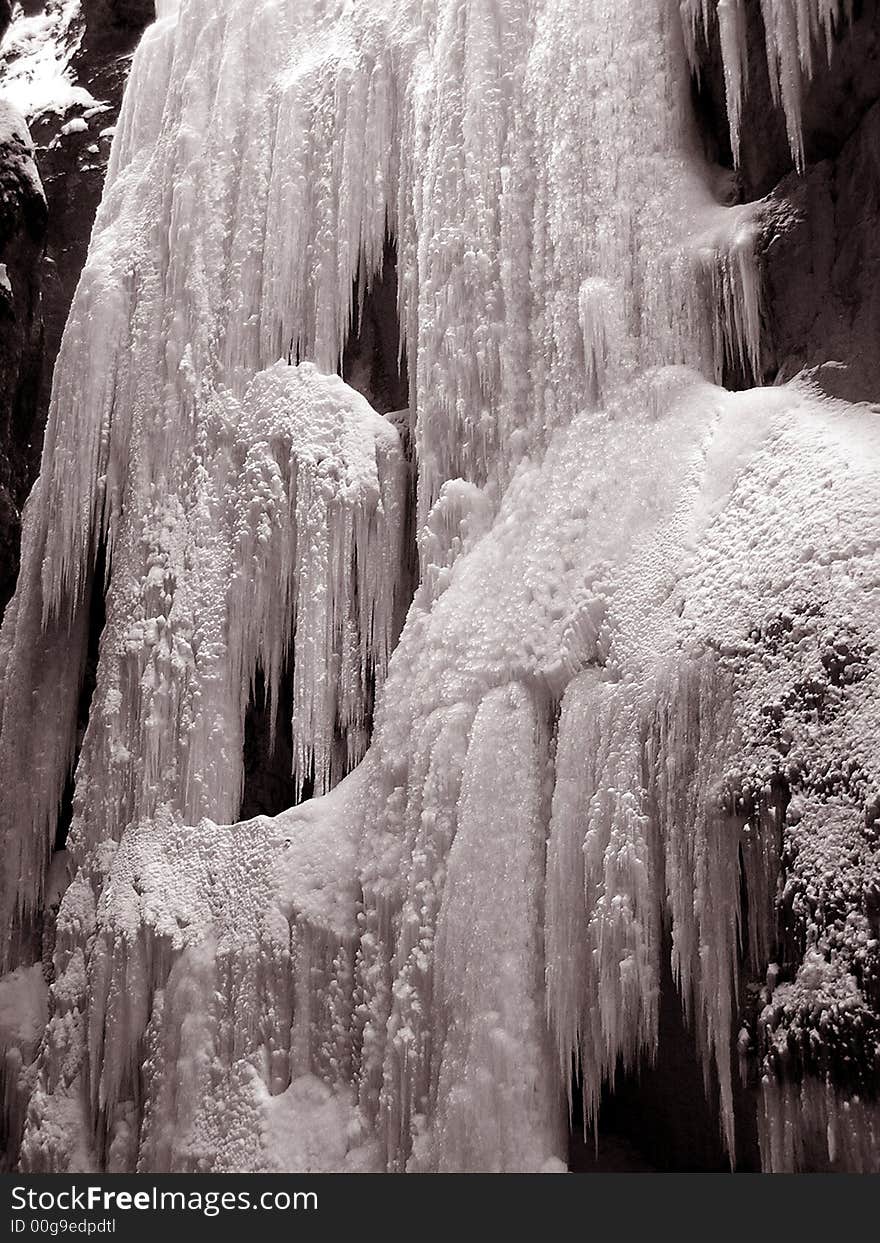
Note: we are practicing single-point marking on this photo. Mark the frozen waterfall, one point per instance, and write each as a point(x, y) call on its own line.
point(627, 725)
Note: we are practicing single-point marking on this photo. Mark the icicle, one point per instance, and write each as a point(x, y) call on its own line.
point(628, 789)
point(807, 1128)
point(791, 28)
point(603, 1003)
point(732, 33)
point(594, 307)
point(319, 529)
point(38, 726)
point(692, 744)
point(414, 1028)
point(694, 18)
point(727, 260)
point(59, 1135)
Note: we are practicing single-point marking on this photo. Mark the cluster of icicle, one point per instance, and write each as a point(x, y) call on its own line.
point(604, 902)
point(792, 29)
point(377, 978)
point(250, 513)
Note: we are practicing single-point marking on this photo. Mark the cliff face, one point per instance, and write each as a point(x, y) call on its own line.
point(48, 210)
point(820, 247)
point(22, 239)
point(821, 259)
point(818, 255)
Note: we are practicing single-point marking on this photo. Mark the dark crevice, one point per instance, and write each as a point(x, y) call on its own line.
point(373, 361)
point(713, 128)
point(97, 619)
point(57, 875)
point(269, 786)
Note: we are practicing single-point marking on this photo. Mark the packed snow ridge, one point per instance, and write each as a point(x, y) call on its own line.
point(630, 721)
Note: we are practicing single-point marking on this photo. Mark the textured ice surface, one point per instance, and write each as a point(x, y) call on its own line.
point(633, 708)
point(23, 1014)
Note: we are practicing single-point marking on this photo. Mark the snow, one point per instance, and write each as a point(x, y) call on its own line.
point(36, 56)
point(18, 146)
point(805, 1124)
point(309, 1129)
point(77, 126)
point(225, 933)
point(598, 725)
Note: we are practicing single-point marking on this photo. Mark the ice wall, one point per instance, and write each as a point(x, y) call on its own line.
point(611, 730)
point(176, 448)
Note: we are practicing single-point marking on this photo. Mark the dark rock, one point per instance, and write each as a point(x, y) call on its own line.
point(821, 262)
point(820, 251)
point(22, 235)
point(834, 101)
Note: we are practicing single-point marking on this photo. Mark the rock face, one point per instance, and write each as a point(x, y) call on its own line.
point(22, 239)
point(44, 231)
point(820, 248)
point(821, 258)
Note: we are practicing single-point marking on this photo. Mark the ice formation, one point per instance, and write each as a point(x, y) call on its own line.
point(632, 713)
point(792, 31)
